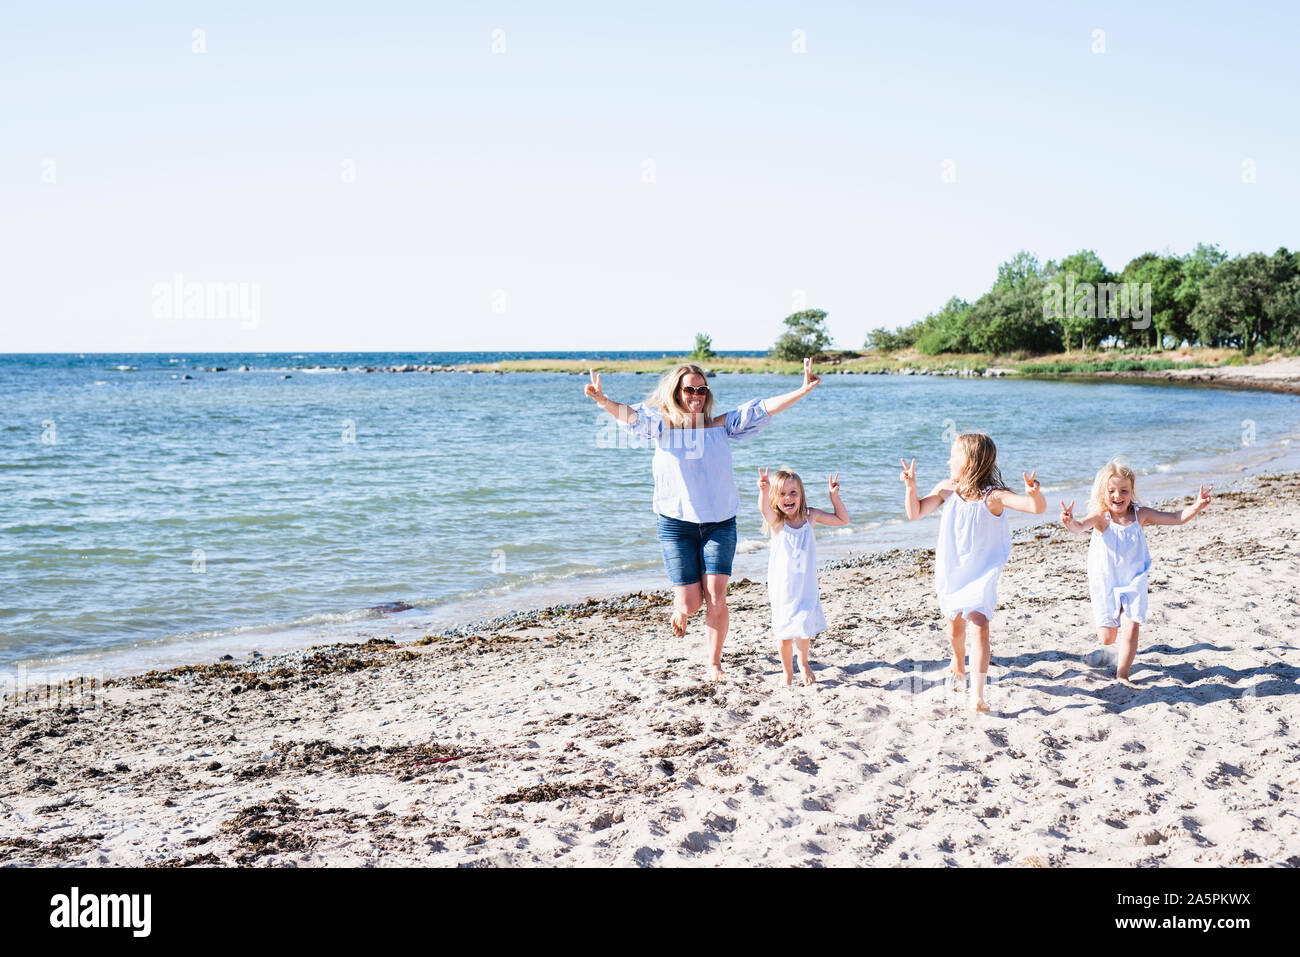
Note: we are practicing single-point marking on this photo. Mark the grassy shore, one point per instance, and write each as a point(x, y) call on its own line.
point(1061, 364)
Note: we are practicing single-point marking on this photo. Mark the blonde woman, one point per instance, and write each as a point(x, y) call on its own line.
point(1118, 558)
point(974, 544)
point(695, 485)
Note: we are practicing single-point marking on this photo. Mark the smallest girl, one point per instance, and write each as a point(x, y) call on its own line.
point(1118, 559)
point(792, 563)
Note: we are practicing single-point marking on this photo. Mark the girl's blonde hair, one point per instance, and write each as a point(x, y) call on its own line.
point(775, 486)
point(1100, 501)
point(667, 396)
point(981, 472)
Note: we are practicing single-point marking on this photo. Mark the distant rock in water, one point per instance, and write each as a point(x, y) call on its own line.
point(388, 607)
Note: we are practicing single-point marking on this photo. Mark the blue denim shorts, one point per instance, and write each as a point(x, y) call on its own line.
point(693, 550)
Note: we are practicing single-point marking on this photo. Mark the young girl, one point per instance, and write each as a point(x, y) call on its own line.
point(792, 563)
point(1118, 559)
point(974, 544)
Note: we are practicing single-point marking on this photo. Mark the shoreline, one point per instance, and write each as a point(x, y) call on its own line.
point(586, 736)
point(399, 621)
point(1276, 373)
point(405, 624)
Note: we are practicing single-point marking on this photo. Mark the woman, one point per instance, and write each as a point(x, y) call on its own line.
point(695, 486)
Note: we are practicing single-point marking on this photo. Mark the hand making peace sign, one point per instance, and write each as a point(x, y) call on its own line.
point(592, 389)
point(1031, 482)
point(810, 378)
point(835, 484)
point(1203, 498)
point(908, 475)
point(763, 483)
point(1067, 514)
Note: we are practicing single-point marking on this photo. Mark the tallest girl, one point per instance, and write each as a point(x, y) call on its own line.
point(695, 486)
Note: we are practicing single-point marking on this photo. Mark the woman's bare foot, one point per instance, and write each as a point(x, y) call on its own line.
point(679, 623)
point(715, 671)
point(807, 676)
point(956, 679)
point(980, 706)
point(787, 680)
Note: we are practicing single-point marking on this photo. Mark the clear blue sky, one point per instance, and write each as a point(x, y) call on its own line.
point(522, 171)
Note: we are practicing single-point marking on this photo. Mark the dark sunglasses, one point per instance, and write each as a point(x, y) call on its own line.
point(691, 390)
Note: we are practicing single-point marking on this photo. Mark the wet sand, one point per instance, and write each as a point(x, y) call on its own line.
point(586, 734)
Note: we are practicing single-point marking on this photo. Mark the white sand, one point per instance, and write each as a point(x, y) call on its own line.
point(625, 756)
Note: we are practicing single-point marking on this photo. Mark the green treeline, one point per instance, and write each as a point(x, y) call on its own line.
point(1203, 298)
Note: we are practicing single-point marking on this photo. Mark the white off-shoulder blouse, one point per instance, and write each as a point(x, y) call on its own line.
point(694, 478)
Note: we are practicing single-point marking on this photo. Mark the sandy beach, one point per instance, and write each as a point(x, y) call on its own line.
point(1278, 374)
point(586, 735)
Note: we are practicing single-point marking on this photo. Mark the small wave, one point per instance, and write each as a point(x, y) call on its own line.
point(125, 368)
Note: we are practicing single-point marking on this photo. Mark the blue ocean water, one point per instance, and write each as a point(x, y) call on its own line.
point(150, 518)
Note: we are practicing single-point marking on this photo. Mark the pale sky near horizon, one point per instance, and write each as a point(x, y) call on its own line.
point(612, 176)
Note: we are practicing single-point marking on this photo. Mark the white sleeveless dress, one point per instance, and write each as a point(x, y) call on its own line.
point(974, 544)
point(792, 583)
point(1118, 565)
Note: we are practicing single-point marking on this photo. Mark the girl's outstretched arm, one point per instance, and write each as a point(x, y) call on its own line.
point(919, 507)
point(1032, 501)
point(1150, 516)
point(618, 410)
point(779, 403)
point(1082, 525)
point(764, 502)
point(841, 516)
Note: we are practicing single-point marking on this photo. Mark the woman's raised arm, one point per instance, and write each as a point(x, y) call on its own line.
point(779, 403)
point(618, 410)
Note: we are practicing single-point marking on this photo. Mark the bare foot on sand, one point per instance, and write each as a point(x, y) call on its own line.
point(808, 677)
point(956, 679)
point(980, 706)
point(679, 623)
point(715, 672)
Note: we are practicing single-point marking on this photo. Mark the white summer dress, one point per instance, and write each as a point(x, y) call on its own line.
point(974, 544)
point(792, 583)
point(1118, 565)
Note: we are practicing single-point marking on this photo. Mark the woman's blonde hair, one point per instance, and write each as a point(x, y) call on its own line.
point(667, 396)
point(981, 472)
point(775, 486)
point(1100, 501)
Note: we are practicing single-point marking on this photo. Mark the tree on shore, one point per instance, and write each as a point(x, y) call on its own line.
point(703, 347)
point(1202, 298)
point(805, 335)
point(1250, 301)
point(1079, 275)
